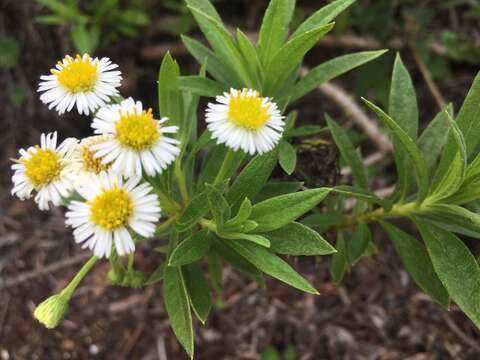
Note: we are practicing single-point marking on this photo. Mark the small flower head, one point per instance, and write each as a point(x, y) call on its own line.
point(85, 156)
point(137, 141)
point(242, 119)
point(89, 83)
point(111, 211)
point(52, 310)
point(47, 169)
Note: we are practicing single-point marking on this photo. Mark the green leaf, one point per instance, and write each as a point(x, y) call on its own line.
point(85, 40)
point(339, 263)
point(213, 162)
point(250, 57)
point(242, 215)
point(276, 188)
point(362, 195)
point(222, 43)
point(298, 239)
point(220, 71)
point(177, 306)
point(287, 156)
point(205, 6)
point(288, 58)
point(358, 244)
point(453, 218)
point(170, 98)
point(415, 257)
point(323, 221)
point(254, 238)
point(403, 109)
point(416, 157)
point(198, 291)
point(434, 137)
point(218, 206)
point(237, 261)
point(271, 264)
point(306, 130)
point(277, 212)
point(252, 178)
point(456, 267)
point(348, 153)
point(330, 70)
point(322, 16)
point(156, 276)
point(191, 249)
point(201, 86)
point(274, 28)
point(450, 176)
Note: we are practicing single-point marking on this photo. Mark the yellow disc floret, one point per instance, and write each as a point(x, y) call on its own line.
point(79, 74)
point(137, 130)
point(247, 110)
point(90, 162)
point(42, 167)
point(111, 209)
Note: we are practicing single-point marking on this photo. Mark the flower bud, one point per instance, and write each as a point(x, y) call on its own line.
point(52, 310)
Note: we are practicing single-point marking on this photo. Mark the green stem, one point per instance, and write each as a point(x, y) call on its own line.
point(182, 184)
point(225, 165)
point(208, 224)
point(399, 210)
point(131, 260)
point(70, 288)
point(160, 228)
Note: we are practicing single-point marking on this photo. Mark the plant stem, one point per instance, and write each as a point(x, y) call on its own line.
point(182, 184)
point(70, 288)
point(223, 169)
point(131, 260)
point(160, 228)
point(400, 210)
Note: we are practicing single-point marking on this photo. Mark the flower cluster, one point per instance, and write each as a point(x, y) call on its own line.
point(106, 170)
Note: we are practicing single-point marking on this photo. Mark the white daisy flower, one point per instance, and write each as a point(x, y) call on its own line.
point(112, 210)
point(82, 80)
point(138, 140)
point(242, 119)
point(85, 157)
point(47, 169)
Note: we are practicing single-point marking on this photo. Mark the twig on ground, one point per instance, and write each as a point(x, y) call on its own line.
point(467, 340)
point(161, 351)
point(432, 87)
point(29, 275)
point(132, 341)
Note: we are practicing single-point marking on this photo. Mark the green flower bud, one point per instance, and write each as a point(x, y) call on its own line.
point(52, 310)
point(134, 279)
point(115, 276)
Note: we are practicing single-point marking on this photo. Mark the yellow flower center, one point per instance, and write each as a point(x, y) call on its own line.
point(247, 112)
point(78, 75)
point(111, 209)
point(137, 130)
point(42, 167)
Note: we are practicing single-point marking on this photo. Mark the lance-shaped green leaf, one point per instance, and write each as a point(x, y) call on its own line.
point(455, 266)
point(274, 28)
point(330, 70)
point(339, 263)
point(348, 153)
point(449, 177)
point(361, 194)
point(235, 259)
point(358, 243)
point(323, 221)
point(271, 264)
point(276, 188)
point(306, 130)
point(298, 239)
point(434, 137)
point(242, 215)
point(222, 43)
point(416, 157)
point(289, 57)
point(252, 178)
point(191, 249)
point(198, 291)
point(415, 257)
point(287, 156)
point(322, 16)
point(276, 212)
point(403, 109)
point(254, 238)
point(170, 98)
point(201, 86)
point(205, 6)
point(213, 162)
point(453, 218)
point(250, 57)
point(215, 67)
point(177, 306)
point(469, 124)
point(218, 206)
point(156, 276)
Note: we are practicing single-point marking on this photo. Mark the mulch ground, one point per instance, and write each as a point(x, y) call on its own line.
point(377, 313)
